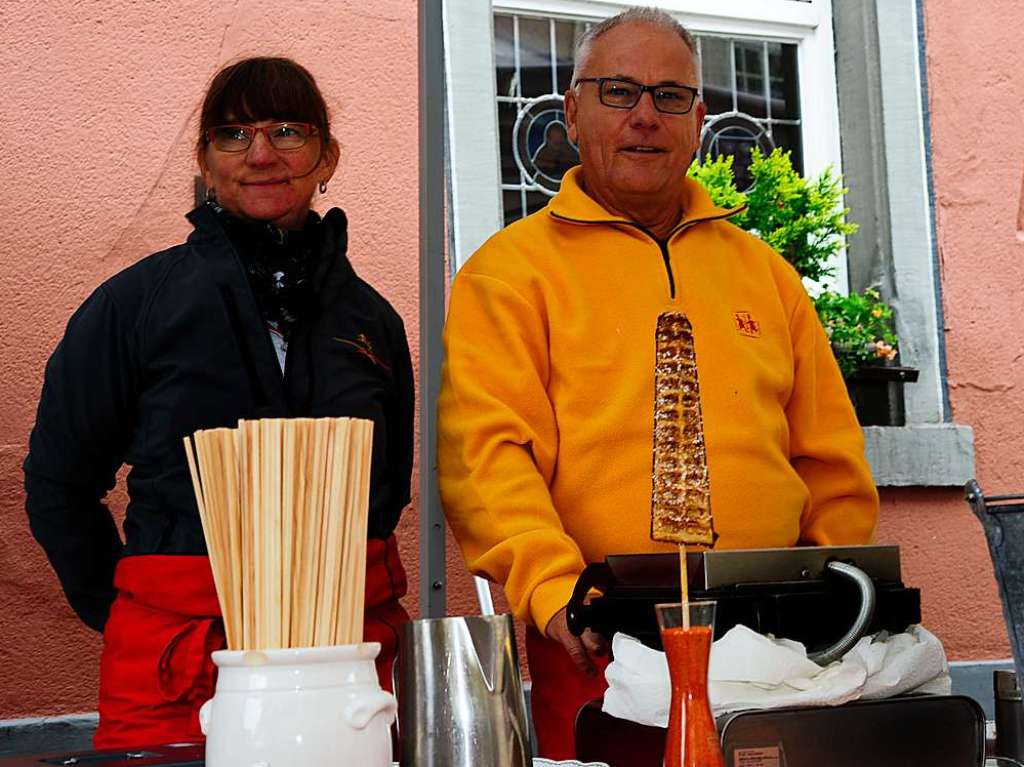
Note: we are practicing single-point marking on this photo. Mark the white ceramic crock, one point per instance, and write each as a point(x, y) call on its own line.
point(298, 708)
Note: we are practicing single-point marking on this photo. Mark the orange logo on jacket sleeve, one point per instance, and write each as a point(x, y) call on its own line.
point(363, 346)
point(747, 325)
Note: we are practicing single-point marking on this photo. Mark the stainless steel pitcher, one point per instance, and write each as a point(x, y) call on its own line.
point(460, 694)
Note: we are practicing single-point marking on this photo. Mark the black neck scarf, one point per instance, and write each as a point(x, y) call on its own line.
point(280, 265)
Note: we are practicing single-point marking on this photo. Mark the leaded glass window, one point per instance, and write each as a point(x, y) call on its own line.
point(750, 87)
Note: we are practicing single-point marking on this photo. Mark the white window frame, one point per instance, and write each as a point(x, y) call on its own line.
point(469, 43)
point(930, 451)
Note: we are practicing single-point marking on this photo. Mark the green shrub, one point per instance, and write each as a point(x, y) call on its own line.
point(805, 221)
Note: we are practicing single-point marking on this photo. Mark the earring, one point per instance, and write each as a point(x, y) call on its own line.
point(211, 194)
point(323, 187)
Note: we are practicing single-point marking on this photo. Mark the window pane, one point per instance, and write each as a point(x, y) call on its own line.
point(785, 81)
point(788, 137)
point(565, 37)
point(535, 57)
point(716, 71)
point(504, 55)
point(506, 119)
point(750, 78)
point(513, 208)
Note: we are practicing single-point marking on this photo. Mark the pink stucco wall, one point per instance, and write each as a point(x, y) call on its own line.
point(976, 89)
point(99, 173)
point(110, 91)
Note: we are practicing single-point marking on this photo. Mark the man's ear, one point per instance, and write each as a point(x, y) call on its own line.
point(702, 110)
point(570, 116)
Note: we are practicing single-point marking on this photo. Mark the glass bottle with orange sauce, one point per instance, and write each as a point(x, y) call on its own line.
point(687, 630)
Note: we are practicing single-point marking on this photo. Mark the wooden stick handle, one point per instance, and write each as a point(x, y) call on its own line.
point(684, 587)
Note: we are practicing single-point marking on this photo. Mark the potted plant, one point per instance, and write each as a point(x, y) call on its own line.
point(860, 328)
point(804, 220)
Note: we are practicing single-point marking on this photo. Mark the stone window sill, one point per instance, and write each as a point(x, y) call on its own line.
point(927, 455)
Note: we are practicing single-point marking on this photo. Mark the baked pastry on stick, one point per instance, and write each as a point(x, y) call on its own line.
point(681, 494)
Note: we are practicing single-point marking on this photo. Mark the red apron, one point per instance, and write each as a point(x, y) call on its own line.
point(156, 670)
point(557, 693)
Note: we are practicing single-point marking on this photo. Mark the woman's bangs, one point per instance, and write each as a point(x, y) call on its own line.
point(267, 93)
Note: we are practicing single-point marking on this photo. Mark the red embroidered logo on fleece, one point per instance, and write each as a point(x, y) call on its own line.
point(747, 325)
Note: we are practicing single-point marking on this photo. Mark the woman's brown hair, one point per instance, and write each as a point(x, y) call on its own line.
point(264, 88)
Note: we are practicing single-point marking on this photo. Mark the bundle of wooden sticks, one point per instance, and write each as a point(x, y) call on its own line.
point(284, 506)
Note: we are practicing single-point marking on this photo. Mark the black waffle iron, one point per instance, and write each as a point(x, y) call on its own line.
point(825, 597)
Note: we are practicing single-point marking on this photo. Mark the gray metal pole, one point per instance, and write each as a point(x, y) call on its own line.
point(432, 286)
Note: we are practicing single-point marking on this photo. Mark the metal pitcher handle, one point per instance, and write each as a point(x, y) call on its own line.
point(864, 615)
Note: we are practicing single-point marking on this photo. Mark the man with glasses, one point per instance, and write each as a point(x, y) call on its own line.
point(560, 428)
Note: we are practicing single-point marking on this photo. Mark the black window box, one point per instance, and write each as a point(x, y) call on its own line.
point(877, 393)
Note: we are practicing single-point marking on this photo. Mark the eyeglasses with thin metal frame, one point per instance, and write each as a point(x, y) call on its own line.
point(673, 99)
point(238, 137)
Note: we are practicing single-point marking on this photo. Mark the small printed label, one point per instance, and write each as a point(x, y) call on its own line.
point(757, 757)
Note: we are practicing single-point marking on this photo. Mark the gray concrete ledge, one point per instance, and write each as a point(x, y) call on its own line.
point(973, 678)
point(47, 734)
point(929, 455)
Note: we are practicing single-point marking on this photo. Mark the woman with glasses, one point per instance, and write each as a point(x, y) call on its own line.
point(259, 314)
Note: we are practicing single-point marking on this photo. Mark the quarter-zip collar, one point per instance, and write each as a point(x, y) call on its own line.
point(574, 206)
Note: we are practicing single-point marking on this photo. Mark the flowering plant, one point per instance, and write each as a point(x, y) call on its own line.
point(860, 328)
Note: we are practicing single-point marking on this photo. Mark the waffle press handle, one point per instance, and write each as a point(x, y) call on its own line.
point(577, 613)
point(864, 614)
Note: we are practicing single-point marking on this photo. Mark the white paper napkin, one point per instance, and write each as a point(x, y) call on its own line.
point(748, 670)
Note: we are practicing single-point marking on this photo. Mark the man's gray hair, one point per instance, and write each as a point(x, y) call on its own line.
point(654, 17)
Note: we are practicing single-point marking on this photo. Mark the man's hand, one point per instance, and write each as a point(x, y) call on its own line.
point(580, 648)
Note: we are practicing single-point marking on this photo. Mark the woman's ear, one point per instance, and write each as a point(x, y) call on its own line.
point(330, 160)
point(204, 171)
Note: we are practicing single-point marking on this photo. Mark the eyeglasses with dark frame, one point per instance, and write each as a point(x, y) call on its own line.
point(238, 137)
point(673, 99)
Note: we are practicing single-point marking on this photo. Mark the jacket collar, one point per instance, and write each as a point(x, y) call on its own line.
point(211, 243)
point(575, 205)
point(334, 268)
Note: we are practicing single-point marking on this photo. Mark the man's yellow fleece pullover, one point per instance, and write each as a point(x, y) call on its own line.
point(546, 410)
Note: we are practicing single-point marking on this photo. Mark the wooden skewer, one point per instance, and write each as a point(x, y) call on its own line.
point(252, 514)
point(684, 587)
point(329, 528)
point(362, 509)
point(313, 555)
point(270, 444)
point(343, 609)
point(233, 540)
point(353, 535)
point(287, 500)
point(341, 527)
point(221, 441)
point(297, 545)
